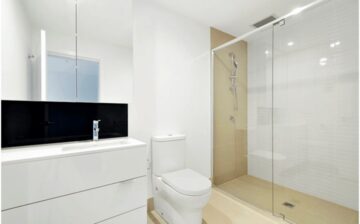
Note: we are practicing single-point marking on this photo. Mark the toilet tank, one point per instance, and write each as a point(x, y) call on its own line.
point(168, 153)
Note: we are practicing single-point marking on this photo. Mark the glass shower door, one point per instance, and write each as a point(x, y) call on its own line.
point(315, 115)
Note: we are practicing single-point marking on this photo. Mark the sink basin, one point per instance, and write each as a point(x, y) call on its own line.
point(93, 144)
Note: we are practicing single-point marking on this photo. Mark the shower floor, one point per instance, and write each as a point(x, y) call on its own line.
point(307, 209)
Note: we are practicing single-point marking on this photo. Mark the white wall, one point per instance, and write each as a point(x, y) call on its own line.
point(172, 81)
point(315, 107)
point(116, 64)
point(16, 40)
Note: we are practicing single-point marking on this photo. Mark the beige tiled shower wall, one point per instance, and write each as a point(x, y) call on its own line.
point(230, 125)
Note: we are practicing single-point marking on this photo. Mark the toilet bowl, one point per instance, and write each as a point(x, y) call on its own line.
point(187, 192)
point(180, 194)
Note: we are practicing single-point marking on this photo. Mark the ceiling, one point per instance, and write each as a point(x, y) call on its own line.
point(111, 20)
point(232, 16)
point(104, 20)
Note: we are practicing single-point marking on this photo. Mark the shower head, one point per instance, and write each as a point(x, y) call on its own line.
point(233, 56)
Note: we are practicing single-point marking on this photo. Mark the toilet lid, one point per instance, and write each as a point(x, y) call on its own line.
point(187, 182)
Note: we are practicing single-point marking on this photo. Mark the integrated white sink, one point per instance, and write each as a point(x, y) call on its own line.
point(47, 151)
point(92, 144)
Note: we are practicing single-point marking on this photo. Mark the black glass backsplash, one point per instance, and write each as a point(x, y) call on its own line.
point(35, 122)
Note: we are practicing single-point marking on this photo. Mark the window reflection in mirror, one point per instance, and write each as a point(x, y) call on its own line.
point(63, 85)
point(61, 81)
point(105, 33)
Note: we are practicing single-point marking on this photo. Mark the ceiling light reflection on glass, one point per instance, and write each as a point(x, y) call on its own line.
point(335, 44)
point(323, 61)
point(296, 11)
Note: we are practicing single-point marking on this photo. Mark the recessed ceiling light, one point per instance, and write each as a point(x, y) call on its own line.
point(267, 52)
point(290, 43)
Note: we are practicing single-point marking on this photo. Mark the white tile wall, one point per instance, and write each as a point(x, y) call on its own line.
point(315, 106)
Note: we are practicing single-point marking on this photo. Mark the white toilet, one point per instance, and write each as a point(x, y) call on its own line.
point(179, 193)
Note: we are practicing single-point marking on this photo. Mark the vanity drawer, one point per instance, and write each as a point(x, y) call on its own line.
point(86, 207)
point(137, 216)
point(29, 182)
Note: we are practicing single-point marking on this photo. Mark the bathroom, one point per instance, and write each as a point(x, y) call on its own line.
point(179, 112)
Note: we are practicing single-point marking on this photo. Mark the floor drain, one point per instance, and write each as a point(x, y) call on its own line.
point(288, 204)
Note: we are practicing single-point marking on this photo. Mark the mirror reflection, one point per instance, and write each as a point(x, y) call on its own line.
point(67, 50)
point(104, 50)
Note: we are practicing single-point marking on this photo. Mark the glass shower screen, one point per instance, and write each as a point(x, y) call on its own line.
point(286, 115)
point(316, 114)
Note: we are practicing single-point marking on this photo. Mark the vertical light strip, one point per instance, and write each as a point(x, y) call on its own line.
point(76, 50)
point(212, 108)
point(43, 63)
point(272, 119)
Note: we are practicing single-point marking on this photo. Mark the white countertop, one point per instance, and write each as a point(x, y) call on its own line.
point(65, 149)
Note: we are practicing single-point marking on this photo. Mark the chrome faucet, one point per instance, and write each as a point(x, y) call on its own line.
point(96, 130)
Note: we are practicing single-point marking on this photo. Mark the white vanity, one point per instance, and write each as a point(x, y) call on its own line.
point(72, 67)
point(75, 183)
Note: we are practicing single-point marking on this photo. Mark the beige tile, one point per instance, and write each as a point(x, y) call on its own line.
point(226, 210)
point(257, 193)
point(230, 137)
point(241, 152)
point(150, 204)
point(308, 209)
point(154, 218)
point(150, 221)
point(223, 209)
point(218, 37)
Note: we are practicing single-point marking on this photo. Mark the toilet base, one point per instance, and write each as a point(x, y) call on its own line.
point(164, 209)
point(177, 208)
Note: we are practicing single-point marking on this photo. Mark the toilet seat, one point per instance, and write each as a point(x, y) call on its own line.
point(187, 182)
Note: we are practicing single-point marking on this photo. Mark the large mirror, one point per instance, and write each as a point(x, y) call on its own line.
point(67, 50)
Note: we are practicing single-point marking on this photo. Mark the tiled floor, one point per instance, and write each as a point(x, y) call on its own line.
point(154, 218)
point(223, 209)
point(307, 210)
